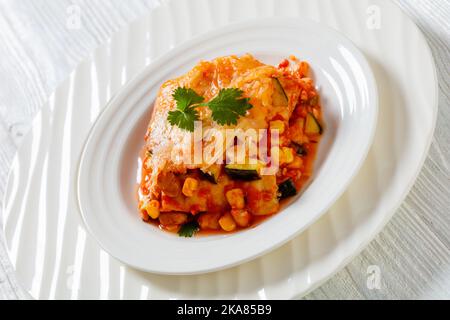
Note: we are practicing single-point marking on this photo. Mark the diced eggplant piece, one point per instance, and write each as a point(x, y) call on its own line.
point(300, 149)
point(208, 176)
point(286, 189)
point(242, 172)
point(279, 96)
point(312, 125)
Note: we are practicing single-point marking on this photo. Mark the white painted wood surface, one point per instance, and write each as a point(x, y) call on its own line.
point(38, 50)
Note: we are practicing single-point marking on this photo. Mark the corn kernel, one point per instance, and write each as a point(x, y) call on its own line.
point(227, 223)
point(235, 198)
point(242, 217)
point(152, 209)
point(286, 155)
point(277, 125)
point(189, 187)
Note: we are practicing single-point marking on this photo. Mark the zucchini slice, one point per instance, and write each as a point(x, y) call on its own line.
point(279, 97)
point(312, 125)
point(286, 189)
point(244, 172)
point(211, 173)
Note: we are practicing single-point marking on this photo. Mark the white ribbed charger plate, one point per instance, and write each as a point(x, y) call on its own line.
point(53, 255)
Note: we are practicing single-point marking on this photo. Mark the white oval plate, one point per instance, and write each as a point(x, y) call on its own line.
point(53, 255)
point(107, 176)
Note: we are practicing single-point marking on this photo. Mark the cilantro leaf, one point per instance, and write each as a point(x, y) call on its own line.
point(186, 97)
point(188, 229)
point(183, 119)
point(228, 106)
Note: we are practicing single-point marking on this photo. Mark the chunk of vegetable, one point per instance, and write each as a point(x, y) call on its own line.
point(227, 222)
point(286, 189)
point(312, 125)
point(235, 198)
point(245, 172)
point(262, 196)
point(286, 155)
point(151, 208)
point(242, 217)
point(296, 164)
point(279, 97)
point(190, 186)
point(209, 221)
point(211, 173)
point(277, 125)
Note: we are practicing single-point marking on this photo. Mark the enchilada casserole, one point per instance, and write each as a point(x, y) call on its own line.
point(183, 192)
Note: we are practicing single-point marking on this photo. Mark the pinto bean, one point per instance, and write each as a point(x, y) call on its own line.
point(169, 183)
point(209, 221)
point(172, 218)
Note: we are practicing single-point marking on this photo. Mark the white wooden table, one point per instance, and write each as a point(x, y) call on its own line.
point(37, 51)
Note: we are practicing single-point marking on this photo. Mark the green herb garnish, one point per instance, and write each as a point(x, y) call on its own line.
point(226, 107)
point(188, 229)
point(186, 97)
point(184, 119)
